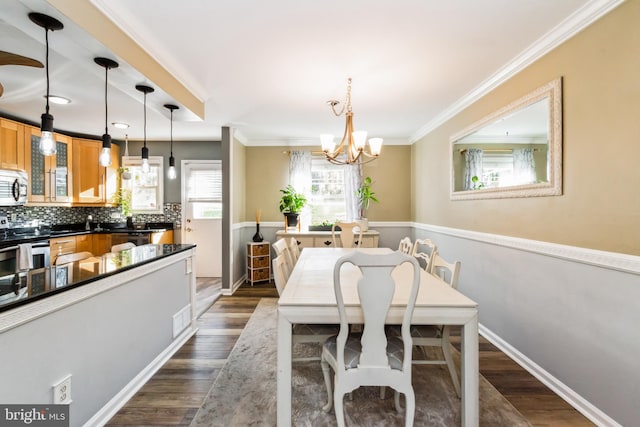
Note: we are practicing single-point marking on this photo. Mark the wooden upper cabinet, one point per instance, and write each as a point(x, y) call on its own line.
point(11, 145)
point(93, 184)
point(50, 177)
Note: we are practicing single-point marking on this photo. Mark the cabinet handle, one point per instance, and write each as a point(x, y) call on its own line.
point(356, 242)
point(327, 242)
point(298, 242)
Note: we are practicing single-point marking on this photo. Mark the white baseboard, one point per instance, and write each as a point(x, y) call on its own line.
point(101, 417)
point(574, 399)
point(235, 286)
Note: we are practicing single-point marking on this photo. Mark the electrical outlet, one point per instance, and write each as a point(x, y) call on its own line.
point(62, 391)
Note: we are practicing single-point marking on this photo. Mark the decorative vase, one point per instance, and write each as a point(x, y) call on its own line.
point(291, 219)
point(258, 236)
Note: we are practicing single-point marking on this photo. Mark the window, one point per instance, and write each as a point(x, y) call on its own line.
point(327, 201)
point(497, 170)
point(147, 191)
point(204, 192)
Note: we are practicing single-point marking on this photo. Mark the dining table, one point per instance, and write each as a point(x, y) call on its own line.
point(309, 297)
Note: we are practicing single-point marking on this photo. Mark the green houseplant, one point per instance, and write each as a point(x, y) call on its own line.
point(365, 196)
point(291, 203)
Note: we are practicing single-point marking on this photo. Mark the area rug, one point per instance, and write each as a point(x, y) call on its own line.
point(244, 393)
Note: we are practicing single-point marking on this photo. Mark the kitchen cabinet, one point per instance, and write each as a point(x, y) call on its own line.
point(101, 243)
point(49, 176)
point(11, 145)
point(61, 246)
point(84, 243)
point(323, 239)
point(93, 185)
point(162, 237)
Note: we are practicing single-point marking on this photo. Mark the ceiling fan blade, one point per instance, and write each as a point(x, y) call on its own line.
point(8, 58)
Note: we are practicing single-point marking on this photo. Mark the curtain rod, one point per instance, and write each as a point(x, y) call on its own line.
point(494, 150)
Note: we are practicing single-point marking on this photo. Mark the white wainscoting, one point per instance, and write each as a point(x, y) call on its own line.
point(566, 314)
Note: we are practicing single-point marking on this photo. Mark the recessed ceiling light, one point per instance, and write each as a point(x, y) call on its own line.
point(59, 99)
point(120, 125)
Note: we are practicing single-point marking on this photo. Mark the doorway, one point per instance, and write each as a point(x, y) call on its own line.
point(202, 213)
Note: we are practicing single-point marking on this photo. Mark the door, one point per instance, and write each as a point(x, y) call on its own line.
point(202, 219)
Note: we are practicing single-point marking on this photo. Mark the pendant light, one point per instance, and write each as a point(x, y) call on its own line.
point(47, 144)
point(145, 151)
point(105, 154)
point(171, 174)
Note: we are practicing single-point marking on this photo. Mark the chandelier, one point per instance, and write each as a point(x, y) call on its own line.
point(353, 142)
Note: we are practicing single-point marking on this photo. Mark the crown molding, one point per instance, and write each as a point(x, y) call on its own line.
point(575, 23)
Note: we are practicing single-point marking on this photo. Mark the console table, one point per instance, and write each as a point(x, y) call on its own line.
point(322, 239)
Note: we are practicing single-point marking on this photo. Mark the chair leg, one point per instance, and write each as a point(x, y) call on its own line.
point(452, 367)
point(338, 398)
point(327, 381)
point(396, 399)
point(410, 402)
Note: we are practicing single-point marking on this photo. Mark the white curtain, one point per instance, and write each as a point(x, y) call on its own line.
point(524, 166)
point(352, 181)
point(300, 178)
point(472, 167)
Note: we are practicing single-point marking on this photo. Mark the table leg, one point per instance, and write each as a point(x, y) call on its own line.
point(284, 371)
point(470, 374)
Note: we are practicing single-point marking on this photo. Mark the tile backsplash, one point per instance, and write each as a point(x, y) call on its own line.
point(54, 215)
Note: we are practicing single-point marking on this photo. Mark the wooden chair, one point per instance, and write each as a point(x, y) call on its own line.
point(438, 335)
point(282, 248)
point(425, 258)
point(405, 246)
point(371, 358)
point(347, 235)
point(301, 333)
point(122, 246)
point(77, 256)
point(294, 250)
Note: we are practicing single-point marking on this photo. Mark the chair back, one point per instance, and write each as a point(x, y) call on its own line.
point(346, 236)
point(424, 250)
point(122, 246)
point(280, 273)
point(77, 256)
point(281, 248)
point(376, 288)
point(405, 245)
point(294, 250)
point(446, 271)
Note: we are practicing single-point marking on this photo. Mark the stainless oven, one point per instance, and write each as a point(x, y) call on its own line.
point(10, 257)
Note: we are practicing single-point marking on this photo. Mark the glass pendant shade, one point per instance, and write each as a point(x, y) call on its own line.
point(145, 159)
point(171, 174)
point(105, 153)
point(47, 145)
point(145, 151)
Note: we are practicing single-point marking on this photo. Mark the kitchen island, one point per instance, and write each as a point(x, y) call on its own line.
point(108, 322)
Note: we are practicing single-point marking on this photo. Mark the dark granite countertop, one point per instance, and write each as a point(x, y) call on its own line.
point(28, 286)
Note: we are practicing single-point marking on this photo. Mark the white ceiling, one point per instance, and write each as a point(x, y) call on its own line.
point(267, 68)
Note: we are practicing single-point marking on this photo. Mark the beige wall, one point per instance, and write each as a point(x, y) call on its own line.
point(267, 171)
point(600, 205)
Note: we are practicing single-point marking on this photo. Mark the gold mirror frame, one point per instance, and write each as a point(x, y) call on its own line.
point(552, 187)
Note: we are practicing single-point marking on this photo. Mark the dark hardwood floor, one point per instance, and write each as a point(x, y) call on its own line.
point(174, 394)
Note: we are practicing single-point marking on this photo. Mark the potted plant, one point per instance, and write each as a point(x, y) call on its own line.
point(291, 203)
point(365, 196)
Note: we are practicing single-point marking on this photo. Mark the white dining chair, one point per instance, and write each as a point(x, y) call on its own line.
point(301, 333)
point(282, 248)
point(424, 250)
point(122, 246)
point(405, 246)
point(371, 358)
point(294, 249)
point(438, 335)
point(76, 256)
point(346, 238)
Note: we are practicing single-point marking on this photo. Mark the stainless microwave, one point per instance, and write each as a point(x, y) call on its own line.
point(13, 187)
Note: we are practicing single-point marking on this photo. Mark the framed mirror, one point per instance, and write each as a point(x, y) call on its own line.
point(513, 152)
